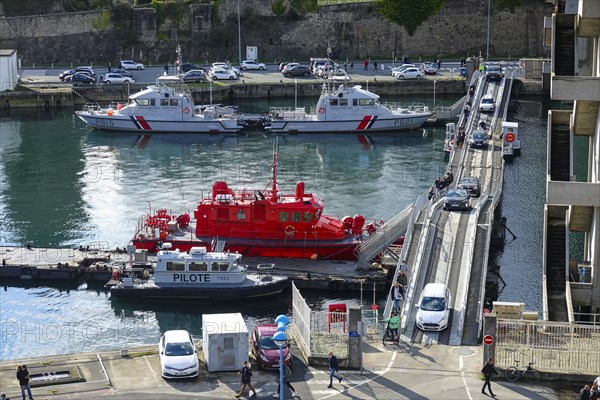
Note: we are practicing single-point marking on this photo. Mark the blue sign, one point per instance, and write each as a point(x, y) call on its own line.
point(353, 334)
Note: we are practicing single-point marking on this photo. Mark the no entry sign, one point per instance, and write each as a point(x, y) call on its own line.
point(488, 339)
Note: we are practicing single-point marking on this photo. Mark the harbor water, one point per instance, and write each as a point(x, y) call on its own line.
point(63, 185)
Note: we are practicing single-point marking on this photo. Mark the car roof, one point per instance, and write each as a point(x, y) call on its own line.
point(466, 179)
point(179, 335)
point(434, 290)
point(266, 329)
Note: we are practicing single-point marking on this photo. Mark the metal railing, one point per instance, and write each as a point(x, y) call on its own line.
point(301, 318)
point(552, 346)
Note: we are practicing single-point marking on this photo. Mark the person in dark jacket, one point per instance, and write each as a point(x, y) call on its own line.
point(584, 394)
point(487, 371)
point(333, 368)
point(246, 379)
point(23, 377)
point(287, 377)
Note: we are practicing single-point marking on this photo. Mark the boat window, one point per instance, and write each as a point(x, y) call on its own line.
point(164, 102)
point(317, 215)
point(365, 102)
point(219, 267)
point(333, 102)
point(174, 102)
point(307, 216)
point(145, 102)
point(296, 216)
point(193, 266)
point(343, 102)
point(284, 216)
point(175, 266)
point(241, 215)
point(354, 102)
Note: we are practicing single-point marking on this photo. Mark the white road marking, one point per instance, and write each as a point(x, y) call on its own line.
point(462, 374)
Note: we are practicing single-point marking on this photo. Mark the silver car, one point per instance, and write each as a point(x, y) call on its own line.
point(457, 199)
point(471, 185)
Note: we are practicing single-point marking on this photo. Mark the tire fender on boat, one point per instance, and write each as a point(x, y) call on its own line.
point(186, 110)
point(289, 231)
point(321, 110)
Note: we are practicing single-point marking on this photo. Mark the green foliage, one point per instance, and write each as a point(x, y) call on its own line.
point(13, 8)
point(511, 5)
point(103, 21)
point(174, 11)
point(122, 19)
point(305, 6)
point(409, 13)
point(278, 7)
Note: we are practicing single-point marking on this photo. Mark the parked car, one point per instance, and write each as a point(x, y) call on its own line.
point(471, 185)
point(90, 70)
point(222, 65)
point(430, 69)
point(80, 79)
point(478, 139)
point(222, 74)
point(116, 78)
point(296, 70)
point(434, 307)
point(410, 73)
point(130, 64)
point(194, 75)
point(493, 73)
point(264, 348)
point(121, 71)
point(183, 68)
point(290, 65)
point(284, 64)
point(66, 73)
point(178, 355)
point(487, 104)
point(252, 64)
point(457, 199)
point(338, 74)
point(401, 67)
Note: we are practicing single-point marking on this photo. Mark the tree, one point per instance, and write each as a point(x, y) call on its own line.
point(511, 5)
point(409, 13)
point(278, 7)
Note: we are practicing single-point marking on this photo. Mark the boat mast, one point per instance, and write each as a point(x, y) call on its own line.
point(274, 191)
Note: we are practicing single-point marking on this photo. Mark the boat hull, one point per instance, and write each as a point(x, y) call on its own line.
point(224, 292)
point(332, 250)
point(362, 125)
point(147, 125)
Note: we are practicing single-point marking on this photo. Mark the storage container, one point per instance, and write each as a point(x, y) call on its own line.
point(224, 341)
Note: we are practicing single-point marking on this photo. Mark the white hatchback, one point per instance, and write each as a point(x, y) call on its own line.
point(487, 104)
point(409, 73)
point(434, 307)
point(251, 64)
point(220, 73)
point(116, 78)
point(129, 64)
point(178, 356)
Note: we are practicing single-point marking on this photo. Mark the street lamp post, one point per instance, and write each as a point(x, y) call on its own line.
point(295, 94)
point(487, 53)
point(434, 82)
point(239, 35)
point(281, 340)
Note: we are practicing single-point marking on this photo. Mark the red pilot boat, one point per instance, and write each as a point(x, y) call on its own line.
point(257, 223)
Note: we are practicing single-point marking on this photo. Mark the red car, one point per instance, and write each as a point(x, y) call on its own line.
point(265, 350)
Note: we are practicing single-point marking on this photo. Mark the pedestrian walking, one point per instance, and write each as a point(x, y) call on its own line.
point(287, 376)
point(333, 368)
point(594, 391)
point(351, 66)
point(439, 63)
point(23, 377)
point(393, 322)
point(398, 295)
point(487, 371)
point(374, 66)
point(166, 69)
point(366, 62)
point(346, 67)
point(109, 68)
point(246, 380)
point(584, 393)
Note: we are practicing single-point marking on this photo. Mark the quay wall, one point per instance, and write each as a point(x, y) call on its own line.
point(208, 32)
point(57, 98)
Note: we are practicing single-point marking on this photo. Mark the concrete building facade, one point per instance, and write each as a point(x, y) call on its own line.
point(8, 69)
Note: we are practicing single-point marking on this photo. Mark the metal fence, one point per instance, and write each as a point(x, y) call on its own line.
point(301, 318)
point(552, 346)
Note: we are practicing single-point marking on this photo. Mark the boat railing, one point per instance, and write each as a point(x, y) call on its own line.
point(91, 107)
point(287, 112)
point(414, 107)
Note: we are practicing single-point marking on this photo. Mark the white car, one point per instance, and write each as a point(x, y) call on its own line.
point(222, 65)
point(251, 64)
point(129, 64)
point(116, 78)
point(434, 307)
point(339, 74)
point(219, 73)
point(487, 104)
point(178, 355)
point(409, 73)
point(401, 67)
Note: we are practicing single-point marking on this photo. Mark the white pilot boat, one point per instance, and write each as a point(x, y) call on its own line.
point(162, 108)
point(202, 275)
point(347, 109)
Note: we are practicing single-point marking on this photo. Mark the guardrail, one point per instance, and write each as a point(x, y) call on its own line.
point(334, 2)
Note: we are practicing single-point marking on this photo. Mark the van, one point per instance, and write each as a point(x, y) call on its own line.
point(434, 307)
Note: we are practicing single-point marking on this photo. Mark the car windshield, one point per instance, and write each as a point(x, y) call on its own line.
point(433, 304)
point(179, 349)
point(487, 100)
point(468, 181)
point(267, 343)
point(479, 135)
point(493, 69)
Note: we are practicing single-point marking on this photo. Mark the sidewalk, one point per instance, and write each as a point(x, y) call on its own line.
point(391, 371)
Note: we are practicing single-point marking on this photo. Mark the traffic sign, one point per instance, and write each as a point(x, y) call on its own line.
point(510, 137)
point(488, 339)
